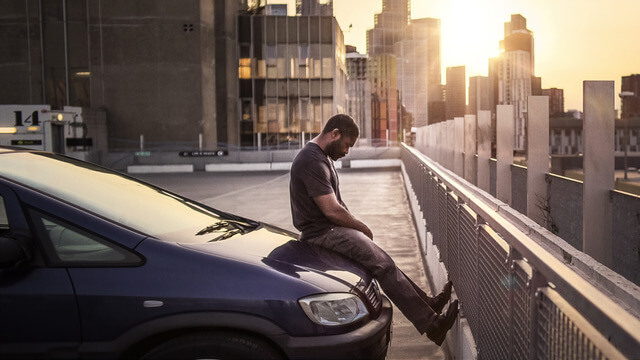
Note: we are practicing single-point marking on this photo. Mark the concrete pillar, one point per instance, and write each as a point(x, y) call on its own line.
point(438, 142)
point(425, 139)
point(504, 152)
point(484, 149)
point(458, 150)
point(599, 171)
point(442, 139)
point(537, 158)
point(470, 146)
point(450, 136)
point(432, 142)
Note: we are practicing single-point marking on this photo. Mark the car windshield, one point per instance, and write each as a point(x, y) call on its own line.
point(132, 203)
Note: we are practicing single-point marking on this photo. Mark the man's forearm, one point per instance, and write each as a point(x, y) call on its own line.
point(344, 218)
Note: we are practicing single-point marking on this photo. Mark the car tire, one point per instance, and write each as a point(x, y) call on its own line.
point(214, 345)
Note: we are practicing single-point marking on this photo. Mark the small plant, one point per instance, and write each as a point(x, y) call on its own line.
point(544, 205)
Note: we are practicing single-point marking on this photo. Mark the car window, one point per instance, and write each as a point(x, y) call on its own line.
point(69, 245)
point(132, 203)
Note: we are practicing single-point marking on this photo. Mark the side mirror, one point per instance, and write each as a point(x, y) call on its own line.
point(12, 252)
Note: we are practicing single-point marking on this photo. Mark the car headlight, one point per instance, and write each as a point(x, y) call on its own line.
point(333, 309)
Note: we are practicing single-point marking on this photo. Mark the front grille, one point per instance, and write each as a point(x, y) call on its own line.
point(373, 295)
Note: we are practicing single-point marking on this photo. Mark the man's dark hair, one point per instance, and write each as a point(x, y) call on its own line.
point(344, 123)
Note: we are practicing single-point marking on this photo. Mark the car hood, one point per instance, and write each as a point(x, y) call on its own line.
point(281, 251)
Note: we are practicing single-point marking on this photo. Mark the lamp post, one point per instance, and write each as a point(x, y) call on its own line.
point(622, 95)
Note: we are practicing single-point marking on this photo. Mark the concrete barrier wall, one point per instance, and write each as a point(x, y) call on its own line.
point(279, 158)
point(626, 235)
point(565, 209)
point(519, 188)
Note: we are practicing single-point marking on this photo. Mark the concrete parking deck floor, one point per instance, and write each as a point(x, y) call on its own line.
point(375, 196)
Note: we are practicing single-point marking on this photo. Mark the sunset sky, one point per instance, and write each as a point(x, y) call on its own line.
point(575, 40)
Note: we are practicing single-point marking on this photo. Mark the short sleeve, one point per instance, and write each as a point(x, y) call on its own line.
point(317, 179)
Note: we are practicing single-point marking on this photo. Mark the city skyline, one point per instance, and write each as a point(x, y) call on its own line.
point(575, 40)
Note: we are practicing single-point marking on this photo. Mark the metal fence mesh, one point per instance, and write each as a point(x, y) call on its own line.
point(521, 309)
point(453, 246)
point(441, 195)
point(558, 336)
point(493, 294)
point(466, 284)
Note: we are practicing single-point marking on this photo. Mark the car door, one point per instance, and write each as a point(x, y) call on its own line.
point(38, 311)
point(105, 273)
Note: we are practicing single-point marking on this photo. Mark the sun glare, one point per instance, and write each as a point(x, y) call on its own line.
point(470, 36)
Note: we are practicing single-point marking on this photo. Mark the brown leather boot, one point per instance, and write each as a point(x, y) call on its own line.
point(438, 302)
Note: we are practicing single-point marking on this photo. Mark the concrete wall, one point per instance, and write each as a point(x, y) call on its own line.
point(120, 161)
point(150, 71)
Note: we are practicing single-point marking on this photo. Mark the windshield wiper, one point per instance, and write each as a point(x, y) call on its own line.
point(226, 235)
point(215, 227)
point(225, 224)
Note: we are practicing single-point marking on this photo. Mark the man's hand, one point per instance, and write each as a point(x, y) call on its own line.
point(340, 216)
point(368, 232)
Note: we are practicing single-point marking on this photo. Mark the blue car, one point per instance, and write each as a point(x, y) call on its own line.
point(97, 265)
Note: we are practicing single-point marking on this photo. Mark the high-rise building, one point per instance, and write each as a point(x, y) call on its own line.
point(631, 99)
point(480, 94)
point(385, 110)
point(556, 101)
point(415, 45)
point(516, 73)
point(455, 92)
point(389, 27)
point(494, 67)
point(418, 65)
point(291, 77)
point(358, 102)
point(314, 7)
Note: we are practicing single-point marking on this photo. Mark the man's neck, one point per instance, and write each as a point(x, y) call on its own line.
point(321, 141)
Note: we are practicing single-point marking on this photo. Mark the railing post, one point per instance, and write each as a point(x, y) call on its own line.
point(599, 170)
point(504, 152)
point(450, 135)
point(458, 150)
point(484, 149)
point(470, 146)
point(537, 158)
point(431, 144)
point(438, 142)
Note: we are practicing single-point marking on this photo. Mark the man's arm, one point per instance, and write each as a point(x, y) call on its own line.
point(340, 216)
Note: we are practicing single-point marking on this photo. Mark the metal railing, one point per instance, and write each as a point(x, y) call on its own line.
point(521, 302)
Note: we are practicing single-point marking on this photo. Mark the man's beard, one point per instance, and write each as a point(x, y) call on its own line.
point(334, 150)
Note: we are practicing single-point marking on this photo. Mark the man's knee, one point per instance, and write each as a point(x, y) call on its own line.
point(384, 267)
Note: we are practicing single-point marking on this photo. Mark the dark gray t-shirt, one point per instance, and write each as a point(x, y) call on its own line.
point(312, 174)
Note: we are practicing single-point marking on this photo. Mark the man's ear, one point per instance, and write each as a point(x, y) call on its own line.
point(335, 133)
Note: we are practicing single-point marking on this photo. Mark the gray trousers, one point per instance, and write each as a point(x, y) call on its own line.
point(404, 293)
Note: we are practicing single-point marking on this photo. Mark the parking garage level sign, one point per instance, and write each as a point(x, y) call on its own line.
point(204, 153)
point(26, 142)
